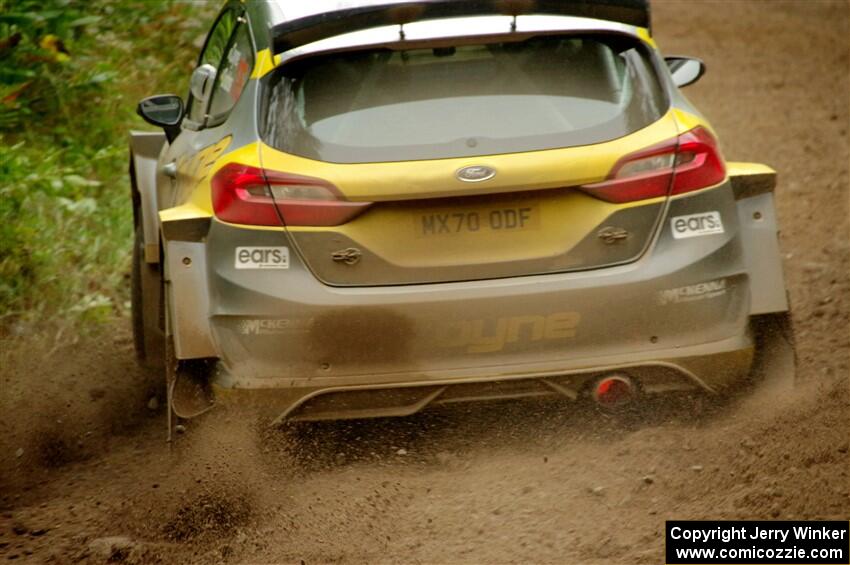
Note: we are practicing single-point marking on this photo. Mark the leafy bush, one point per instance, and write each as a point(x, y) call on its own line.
point(71, 72)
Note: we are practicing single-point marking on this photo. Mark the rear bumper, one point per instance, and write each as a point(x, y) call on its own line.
point(679, 315)
point(371, 399)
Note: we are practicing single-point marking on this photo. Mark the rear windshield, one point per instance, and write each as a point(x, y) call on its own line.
point(469, 100)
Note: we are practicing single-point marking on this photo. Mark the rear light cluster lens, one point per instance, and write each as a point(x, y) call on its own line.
point(249, 195)
point(690, 162)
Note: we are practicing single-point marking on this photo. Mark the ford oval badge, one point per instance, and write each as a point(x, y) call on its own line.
point(475, 173)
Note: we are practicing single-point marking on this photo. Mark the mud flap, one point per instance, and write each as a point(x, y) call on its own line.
point(775, 363)
point(188, 391)
point(191, 394)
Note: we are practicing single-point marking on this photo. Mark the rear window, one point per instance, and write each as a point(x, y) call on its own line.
point(469, 100)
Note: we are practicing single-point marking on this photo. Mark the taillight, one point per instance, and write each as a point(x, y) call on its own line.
point(690, 162)
point(248, 195)
point(240, 195)
point(698, 162)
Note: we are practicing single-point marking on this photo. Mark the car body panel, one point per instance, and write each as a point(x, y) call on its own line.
point(422, 321)
point(514, 235)
point(515, 172)
point(370, 398)
point(757, 217)
point(303, 340)
point(427, 225)
point(189, 303)
point(451, 326)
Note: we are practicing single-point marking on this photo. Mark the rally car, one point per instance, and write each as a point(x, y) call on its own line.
point(368, 208)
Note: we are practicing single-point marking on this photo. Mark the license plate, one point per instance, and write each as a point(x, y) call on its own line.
point(501, 219)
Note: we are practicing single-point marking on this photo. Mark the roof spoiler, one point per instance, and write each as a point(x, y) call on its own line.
point(301, 31)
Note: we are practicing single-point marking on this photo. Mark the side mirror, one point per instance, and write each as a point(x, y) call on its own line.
point(163, 110)
point(201, 83)
point(685, 70)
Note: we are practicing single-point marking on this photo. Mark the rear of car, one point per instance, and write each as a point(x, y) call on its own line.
point(389, 206)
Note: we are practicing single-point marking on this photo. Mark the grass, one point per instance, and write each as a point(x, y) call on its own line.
point(71, 72)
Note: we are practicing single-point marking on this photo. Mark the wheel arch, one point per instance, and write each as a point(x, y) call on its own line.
point(145, 148)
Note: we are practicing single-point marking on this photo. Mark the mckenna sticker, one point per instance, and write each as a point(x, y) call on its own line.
point(696, 225)
point(692, 293)
point(262, 258)
point(273, 326)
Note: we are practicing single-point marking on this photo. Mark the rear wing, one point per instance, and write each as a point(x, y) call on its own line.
point(301, 31)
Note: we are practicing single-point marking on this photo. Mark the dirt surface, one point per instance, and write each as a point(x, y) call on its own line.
point(87, 477)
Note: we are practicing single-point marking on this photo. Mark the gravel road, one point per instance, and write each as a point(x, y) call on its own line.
point(86, 476)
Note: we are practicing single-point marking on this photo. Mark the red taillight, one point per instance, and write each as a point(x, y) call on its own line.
point(690, 162)
point(248, 195)
point(698, 162)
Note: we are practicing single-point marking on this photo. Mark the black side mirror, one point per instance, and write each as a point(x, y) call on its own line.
point(163, 110)
point(685, 70)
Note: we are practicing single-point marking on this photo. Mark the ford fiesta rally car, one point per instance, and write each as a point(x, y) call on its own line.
point(367, 208)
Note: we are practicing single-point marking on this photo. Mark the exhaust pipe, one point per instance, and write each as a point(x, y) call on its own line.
point(614, 391)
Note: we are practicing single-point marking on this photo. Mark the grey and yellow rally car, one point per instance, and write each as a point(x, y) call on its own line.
point(367, 208)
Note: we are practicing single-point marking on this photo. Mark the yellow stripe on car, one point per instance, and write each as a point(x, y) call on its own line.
point(265, 63)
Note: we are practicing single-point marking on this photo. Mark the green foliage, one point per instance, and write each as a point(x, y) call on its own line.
point(71, 72)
